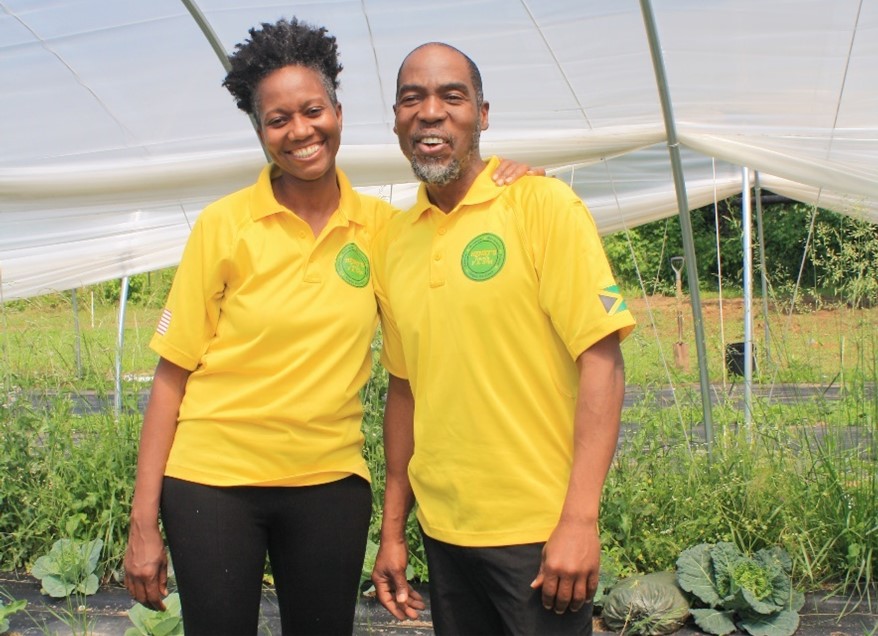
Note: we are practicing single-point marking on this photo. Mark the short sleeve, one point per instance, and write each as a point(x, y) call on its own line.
point(189, 319)
point(577, 288)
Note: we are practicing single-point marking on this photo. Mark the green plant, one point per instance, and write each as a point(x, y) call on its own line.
point(608, 577)
point(69, 568)
point(846, 252)
point(753, 593)
point(65, 475)
point(7, 610)
point(148, 622)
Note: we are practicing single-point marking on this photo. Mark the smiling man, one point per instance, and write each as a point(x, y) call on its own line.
point(501, 323)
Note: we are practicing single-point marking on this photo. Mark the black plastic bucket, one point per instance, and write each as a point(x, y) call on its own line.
point(735, 358)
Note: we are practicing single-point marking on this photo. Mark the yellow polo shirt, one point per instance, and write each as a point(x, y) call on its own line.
point(276, 326)
point(485, 311)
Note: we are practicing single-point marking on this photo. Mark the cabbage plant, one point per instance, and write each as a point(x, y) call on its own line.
point(147, 622)
point(8, 610)
point(737, 591)
point(646, 605)
point(69, 568)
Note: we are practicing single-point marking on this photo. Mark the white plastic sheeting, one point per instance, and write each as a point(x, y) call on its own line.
point(115, 130)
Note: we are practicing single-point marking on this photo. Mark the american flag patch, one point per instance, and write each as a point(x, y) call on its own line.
point(164, 322)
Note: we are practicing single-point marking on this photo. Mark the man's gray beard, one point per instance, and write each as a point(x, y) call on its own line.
point(436, 173)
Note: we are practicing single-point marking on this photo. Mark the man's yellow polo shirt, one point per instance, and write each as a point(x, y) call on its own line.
point(276, 326)
point(485, 311)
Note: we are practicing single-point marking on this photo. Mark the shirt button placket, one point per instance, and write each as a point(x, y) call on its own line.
point(312, 267)
point(437, 264)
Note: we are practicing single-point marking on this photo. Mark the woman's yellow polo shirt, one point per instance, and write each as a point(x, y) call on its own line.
point(276, 326)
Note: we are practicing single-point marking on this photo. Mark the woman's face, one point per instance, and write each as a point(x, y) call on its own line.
point(298, 123)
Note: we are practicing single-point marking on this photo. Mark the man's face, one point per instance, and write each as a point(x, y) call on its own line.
point(438, 121)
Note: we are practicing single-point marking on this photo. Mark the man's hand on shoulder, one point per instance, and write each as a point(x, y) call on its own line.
point(510, 171)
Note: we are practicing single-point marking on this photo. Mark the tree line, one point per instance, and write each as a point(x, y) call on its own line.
point(833, 257)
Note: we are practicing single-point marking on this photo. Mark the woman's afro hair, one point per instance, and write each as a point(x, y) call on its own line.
point(285, 43)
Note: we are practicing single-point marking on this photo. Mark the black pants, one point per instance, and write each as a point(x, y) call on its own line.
point(315, 537)
point(484, 591)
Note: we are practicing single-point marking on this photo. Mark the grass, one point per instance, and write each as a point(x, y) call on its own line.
point(804, 477)
point(39, 345)
point(810, 346)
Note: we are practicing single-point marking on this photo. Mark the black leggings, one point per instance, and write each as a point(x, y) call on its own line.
point(315, 537)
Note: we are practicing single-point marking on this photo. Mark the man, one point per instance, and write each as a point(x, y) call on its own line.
point(501, 324)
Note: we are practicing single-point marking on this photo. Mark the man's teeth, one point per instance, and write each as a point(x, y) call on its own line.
point(432, 141)
point(304, 153)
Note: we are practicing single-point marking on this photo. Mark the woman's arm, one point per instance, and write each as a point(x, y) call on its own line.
point(146, 564)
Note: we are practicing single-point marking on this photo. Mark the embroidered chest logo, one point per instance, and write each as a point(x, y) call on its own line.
point(483, 257)
point(352, 266)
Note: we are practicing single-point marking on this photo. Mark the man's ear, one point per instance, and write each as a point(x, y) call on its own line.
point(483, 115)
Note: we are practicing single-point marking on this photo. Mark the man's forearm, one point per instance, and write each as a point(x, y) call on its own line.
point(596, 427)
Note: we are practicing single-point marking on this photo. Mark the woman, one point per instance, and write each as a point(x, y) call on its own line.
point(251, 441)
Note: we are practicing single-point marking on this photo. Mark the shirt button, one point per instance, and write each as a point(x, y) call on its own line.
point(442, 231)
point(437, 257)
point(301, 234)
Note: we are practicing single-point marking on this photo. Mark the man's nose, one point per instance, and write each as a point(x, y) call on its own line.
point(432, 108)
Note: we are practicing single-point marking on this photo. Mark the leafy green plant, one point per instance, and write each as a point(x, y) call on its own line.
point(148, 622)
point(8, 610)
point(752, 593)
point(69, 568)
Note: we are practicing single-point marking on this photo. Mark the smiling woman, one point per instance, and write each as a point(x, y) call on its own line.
point(251, 441)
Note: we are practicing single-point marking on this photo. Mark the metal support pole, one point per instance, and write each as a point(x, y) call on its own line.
point(120, 342)
point(747, 248)
point(217, 47)
point(683, 212)
point(7, 367)
point(77, 349)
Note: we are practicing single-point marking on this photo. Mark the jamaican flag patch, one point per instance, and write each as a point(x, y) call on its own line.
point(611, 299)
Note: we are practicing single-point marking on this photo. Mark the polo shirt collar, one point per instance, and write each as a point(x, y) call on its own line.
point(482, 190)
point(264, 204)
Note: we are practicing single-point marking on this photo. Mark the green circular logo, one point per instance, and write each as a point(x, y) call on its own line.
point(352, 265)
point(483, 257)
